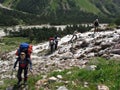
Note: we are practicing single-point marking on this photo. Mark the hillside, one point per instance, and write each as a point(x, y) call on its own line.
point(68, 11)
point(70, 55)
point(52, 6)
point(12, 17)
point(42, 6)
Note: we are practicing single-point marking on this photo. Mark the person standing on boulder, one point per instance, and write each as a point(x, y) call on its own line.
point(96, 25)
point(23, 65)
point(74, 36)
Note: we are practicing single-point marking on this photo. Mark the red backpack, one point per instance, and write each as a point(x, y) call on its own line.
point(51, 41)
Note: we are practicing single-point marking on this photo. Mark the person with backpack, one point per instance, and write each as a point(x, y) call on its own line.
point(24, 47)
point(23, 66)
point(96, 25)
point(74, 37)
point(56, 42)
point(51, 44)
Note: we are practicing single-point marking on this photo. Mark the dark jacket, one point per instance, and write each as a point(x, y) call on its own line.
point(23, 63)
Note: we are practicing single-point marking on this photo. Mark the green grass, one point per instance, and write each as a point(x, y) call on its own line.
point(86, 5)
point(7, 2)
point(54, 5)
point(11, 82)
point(107, 73)
point(9, 43)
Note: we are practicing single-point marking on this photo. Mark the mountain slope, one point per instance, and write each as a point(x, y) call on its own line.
point(14, 17)
point(37, 6)
point(40, 6)
point(110, 7)
point(67, 11)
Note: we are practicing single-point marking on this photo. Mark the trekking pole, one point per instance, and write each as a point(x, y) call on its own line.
point(31, 72)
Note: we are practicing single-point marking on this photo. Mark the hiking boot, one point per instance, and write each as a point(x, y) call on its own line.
point(18, 83)
point(25, 83)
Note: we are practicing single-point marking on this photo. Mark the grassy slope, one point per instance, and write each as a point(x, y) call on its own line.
point(107, 73)
point(54, 4)
point(7, 2)
point(87, 6)
point(9, 43)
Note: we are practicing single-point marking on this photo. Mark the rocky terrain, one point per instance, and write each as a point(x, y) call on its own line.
point(77, 53)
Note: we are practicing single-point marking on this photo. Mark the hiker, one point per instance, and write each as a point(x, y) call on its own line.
point(74, 36)
point(56, 42)
point(24, 47)
point(23, 65)
point(51, 44)
point(96, 25)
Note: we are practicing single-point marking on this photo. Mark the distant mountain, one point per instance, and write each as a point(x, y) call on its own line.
point(52, 6)
point(14, 17)
point(67, 11)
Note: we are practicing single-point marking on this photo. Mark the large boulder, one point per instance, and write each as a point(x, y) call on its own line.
point(67, 55)
point(84, 44)
point(105, 45)
point(115, 51)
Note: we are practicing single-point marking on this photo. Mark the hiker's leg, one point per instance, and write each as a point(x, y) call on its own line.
point(19, 75)
point(75, 37)
point(56, 45)
point(25, 74)
point(51, 48)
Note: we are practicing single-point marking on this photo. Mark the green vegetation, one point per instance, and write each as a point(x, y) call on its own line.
point(43, 34)
point(86, 5)
point(31, 82)
point(117, 21)
point(35, 35)
point(107, 73)
point(58, 11)
point(10, 43)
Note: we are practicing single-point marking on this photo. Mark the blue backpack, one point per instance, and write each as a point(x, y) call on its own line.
point(23, 48)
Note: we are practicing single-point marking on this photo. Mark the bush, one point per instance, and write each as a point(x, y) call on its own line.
point(117, 21)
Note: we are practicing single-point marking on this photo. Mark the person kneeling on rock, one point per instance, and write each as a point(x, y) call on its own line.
point(23, 65)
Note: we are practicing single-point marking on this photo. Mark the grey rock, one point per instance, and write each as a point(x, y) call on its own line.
point(1, 83)
point(115, 51)
point(62, 88)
